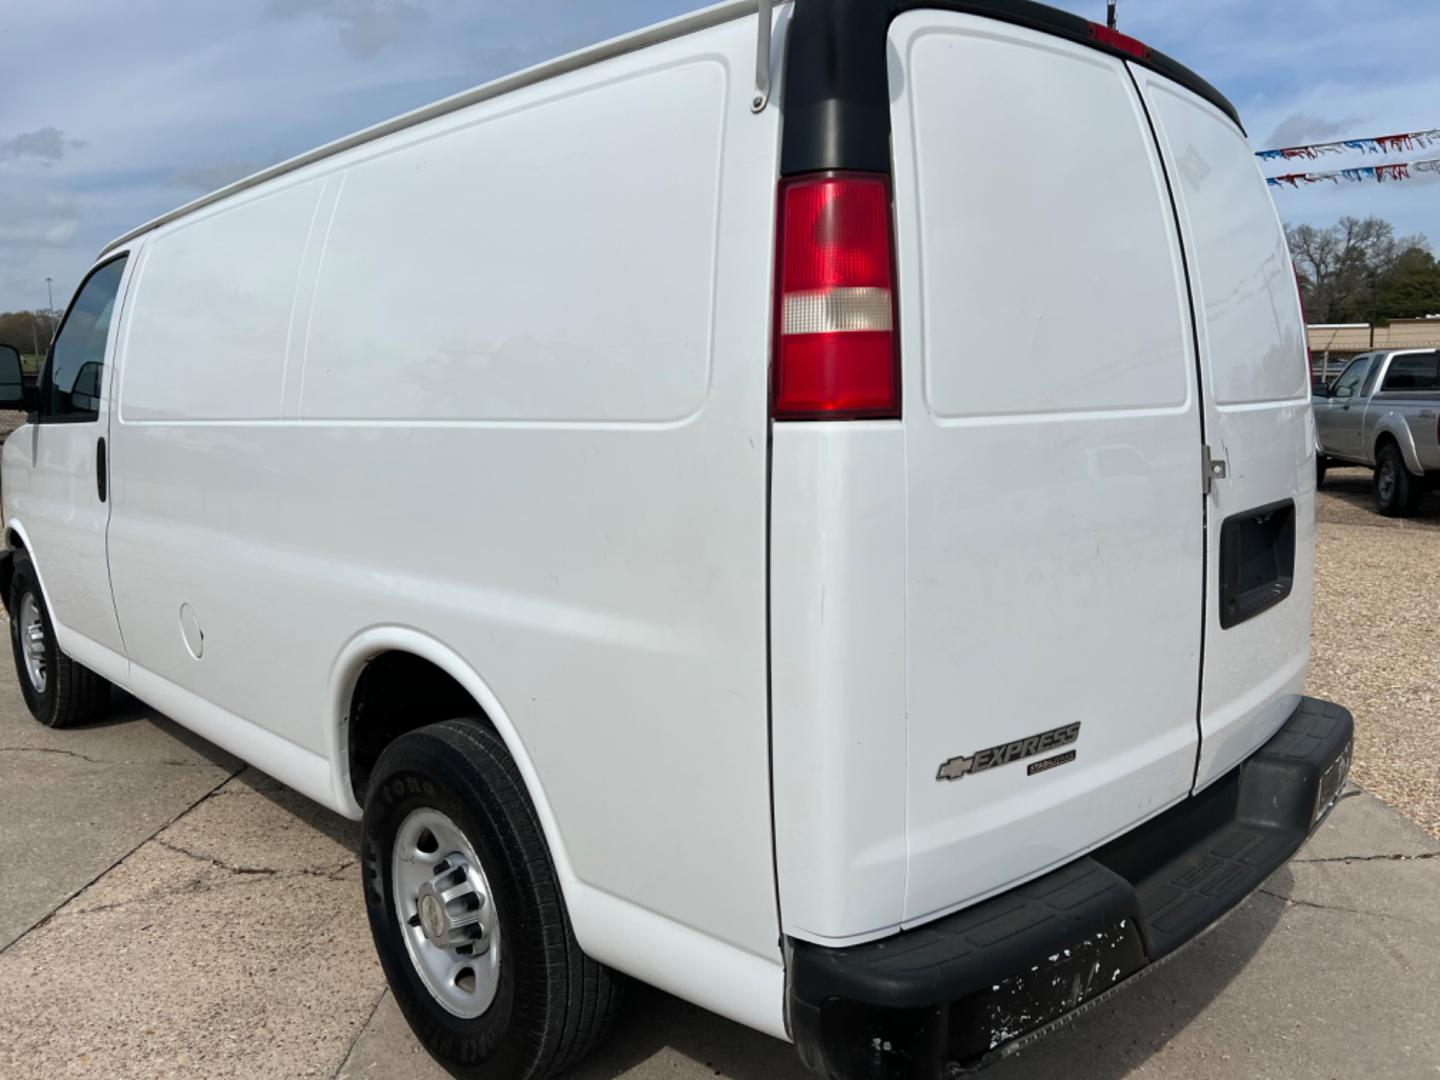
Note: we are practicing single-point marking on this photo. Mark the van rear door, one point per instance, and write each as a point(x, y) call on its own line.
point(1052, 424)
point(1261, 537)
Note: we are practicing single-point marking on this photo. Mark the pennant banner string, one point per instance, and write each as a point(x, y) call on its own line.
point(1383, 144)
point(1379, 173)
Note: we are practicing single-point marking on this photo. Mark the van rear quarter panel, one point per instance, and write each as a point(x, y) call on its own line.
point(522, 410)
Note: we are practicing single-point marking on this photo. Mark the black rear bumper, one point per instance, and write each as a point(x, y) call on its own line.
point(953, 994)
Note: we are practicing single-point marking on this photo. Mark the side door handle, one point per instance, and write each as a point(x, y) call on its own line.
point(100, 484)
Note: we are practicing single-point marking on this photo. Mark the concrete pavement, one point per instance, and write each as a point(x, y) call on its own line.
point(85, 798)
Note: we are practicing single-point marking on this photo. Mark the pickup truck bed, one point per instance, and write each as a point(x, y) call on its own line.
point(1384, 411)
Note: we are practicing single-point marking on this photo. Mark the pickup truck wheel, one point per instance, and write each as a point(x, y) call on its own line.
point(58, 691)
point(467, 913)
point(1397, 493)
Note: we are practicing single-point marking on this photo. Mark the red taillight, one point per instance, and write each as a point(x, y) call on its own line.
point(1121, 42)
point(835, 351)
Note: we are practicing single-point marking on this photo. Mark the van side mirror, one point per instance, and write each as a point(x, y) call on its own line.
point(12, 381)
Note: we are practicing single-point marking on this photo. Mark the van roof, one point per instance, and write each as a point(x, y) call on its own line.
point(840, 15)
point(664, 31)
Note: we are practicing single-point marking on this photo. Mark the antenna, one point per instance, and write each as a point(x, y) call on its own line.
point(1110, 14)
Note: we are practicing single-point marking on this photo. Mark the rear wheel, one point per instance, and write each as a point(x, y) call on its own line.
point(58, 691)
point(1397, 493)
point(467, 914)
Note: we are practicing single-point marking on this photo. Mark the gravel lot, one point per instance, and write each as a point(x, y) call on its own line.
point(1376, 648)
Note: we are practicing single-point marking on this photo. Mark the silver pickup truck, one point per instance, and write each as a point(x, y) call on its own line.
point(1384, 411)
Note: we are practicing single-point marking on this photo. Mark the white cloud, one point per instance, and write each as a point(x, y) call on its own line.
point(1300, 128)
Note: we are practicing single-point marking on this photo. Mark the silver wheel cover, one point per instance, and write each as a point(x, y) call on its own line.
point(32, 641)
point(446, 913)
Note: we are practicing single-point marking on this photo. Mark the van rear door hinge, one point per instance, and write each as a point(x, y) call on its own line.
point(1213, 468)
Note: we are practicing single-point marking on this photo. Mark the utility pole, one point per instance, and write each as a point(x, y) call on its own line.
point(1110, 14)
point(50, 289)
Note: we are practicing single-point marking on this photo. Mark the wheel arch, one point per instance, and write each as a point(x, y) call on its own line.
point(1394, 429)
point(18, 540)
point(377, 642)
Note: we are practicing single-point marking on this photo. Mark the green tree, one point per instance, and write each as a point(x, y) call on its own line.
point(1410, 288)
point(28, 331)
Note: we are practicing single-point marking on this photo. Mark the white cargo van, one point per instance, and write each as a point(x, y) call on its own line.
point(828, 536)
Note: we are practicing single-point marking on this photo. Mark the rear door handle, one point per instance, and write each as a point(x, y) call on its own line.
point(100, 484)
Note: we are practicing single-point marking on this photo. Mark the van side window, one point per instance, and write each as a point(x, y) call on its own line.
point(1418, 371)
point(1347, 383)
point(77, 359)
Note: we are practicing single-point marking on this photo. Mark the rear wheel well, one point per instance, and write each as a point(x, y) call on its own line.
point(7, 569)
point(1386, 439)
point(398, 692)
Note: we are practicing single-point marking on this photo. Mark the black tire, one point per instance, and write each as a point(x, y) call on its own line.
point(552, 1003)
point(1397, 493)
point(72, 693)
point(1320, 466)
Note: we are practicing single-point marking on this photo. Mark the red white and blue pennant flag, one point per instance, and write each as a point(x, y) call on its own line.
point(1379, 173)
point(1383, 144)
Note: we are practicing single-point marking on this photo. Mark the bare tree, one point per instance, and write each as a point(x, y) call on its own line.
point(1344, 269)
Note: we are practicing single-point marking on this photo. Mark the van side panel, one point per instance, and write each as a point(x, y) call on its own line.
point(532, 424)
point(636, 205)
point(1258, 416)
point(1054, 520)
point(214, 322)
point(202, 368)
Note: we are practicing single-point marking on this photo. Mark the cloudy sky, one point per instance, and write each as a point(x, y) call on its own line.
point(111, 113)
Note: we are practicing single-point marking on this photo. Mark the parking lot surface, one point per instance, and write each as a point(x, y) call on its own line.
point(1376, 641)
point(166, 912)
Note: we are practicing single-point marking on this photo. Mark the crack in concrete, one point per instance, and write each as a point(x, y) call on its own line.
point(360, 1031)
point(1398, 857)
point(101, 761)
point(198, 884)
point(1345, 910)
point(332, 872)
point(220, 864)
point(41, 922)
